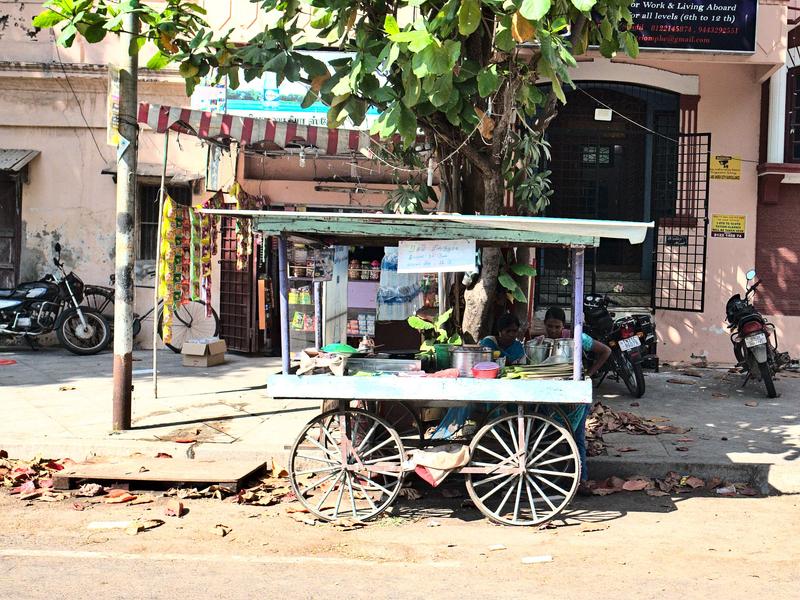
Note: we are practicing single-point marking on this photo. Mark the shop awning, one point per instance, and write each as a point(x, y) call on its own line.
point(249, 131)
point(175, 175)
point(487, 230)
point(15, 161)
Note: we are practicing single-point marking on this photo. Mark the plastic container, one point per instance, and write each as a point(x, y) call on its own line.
point(443, 355)
point(486, 370)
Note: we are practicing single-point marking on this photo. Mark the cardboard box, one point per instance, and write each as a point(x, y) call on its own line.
point(203, 353)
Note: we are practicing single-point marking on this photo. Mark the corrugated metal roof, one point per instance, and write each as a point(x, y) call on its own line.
point(174, 174)
point(15, 160)
point(483, 228)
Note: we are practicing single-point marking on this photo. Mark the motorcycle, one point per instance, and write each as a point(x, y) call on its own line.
point(630, 338)
point(754, 340)
point(53, 303)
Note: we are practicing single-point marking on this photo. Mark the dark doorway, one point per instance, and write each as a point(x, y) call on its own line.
point(605, 170)
point(10, 230)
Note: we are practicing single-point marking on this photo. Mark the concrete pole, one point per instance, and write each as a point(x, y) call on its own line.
point(126, 197)
point(777, 116)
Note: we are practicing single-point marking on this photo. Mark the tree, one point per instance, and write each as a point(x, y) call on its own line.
point(463, 71)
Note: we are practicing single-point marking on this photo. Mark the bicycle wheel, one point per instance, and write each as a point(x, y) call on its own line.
point(101, 300)
point(189, 323)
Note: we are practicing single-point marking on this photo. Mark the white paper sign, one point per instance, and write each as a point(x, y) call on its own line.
point(436, 256)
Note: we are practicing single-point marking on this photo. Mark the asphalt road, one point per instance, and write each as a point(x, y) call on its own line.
point(624, 546)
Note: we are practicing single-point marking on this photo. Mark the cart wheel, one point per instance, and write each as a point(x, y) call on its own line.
point(527, 483)
point(399, 415)
point(402, 418)
point(347, 465)
point(554, 411)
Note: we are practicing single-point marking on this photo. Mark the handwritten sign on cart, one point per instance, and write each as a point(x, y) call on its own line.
point(436, 256)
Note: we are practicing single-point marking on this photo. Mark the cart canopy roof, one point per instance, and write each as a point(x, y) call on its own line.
point(388, 229)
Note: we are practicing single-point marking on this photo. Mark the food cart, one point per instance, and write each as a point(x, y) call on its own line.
point(522, 466)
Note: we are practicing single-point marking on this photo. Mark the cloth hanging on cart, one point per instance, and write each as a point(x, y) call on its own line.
point(399, 294)
point(436, 464)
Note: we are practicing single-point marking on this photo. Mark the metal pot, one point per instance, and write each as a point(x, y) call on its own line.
point(563, 349)
point(464, 358)
point(538, 350)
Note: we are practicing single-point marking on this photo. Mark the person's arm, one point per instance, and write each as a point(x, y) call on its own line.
point(601, 354)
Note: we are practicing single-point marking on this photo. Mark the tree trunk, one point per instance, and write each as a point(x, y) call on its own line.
point(480, 300)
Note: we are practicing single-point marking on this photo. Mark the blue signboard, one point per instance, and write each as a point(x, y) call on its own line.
point(696, 25)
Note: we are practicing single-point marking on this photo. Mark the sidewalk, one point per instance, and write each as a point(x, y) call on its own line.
point(59, 404)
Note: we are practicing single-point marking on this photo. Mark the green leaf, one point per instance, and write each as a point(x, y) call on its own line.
point(419, 324)
point(390, 25)
point(94, 34)
point(583, 5)
point(443, 318)
point(523, 270)
point(631, 44)
point(407, 125)
point(47, 19)
point(488, 81)
point(431, 61)
point(507, 281)
point(394, 52)
point(533, 10)
point(455, 340)
point(135, 46)
point(469, 16)
point(442, 90)
point(519, 295)
point(417, 40)
point(158, 61)
point(309, 99)
point(606, 30)
point(413, 89)
point(67, 36)
point(504, 40)
point(196, 8)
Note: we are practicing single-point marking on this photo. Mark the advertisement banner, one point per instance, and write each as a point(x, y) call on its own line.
point(696, 25)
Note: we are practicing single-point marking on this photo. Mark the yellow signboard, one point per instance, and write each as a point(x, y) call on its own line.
point(726, 167)
point(728, 226)
point(112, 107)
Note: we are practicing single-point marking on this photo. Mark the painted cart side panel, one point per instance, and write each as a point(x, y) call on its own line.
point(422, 389)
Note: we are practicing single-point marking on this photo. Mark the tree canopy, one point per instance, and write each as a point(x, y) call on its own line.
point(468, 73)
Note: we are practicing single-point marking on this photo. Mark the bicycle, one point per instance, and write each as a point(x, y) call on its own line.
point(189, 321)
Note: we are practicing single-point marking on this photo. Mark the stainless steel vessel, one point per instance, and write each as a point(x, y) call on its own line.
point(464, 358)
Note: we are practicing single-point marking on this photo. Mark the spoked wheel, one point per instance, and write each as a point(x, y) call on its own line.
point(554, 411)
point(402, 418)
point(347, 464)
point(532, 469)
point(399, 415)
point(189, 322)
point(79, 338)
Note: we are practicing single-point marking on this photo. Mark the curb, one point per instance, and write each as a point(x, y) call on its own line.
point(756, 475)
point(766, 478)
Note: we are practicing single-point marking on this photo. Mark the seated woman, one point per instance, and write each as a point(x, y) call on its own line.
point(506, 340)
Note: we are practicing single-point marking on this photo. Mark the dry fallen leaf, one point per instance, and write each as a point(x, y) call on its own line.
point(656, 493)
point(592, 528)
point(142, 499)
point(751, 403)
point(682, 449)
point(221, 530)
point(694, 482)
point(681, 381)
point(137, 526)
point(66, 388)
point(635, 485)
point(627, 449)
point(118, 497)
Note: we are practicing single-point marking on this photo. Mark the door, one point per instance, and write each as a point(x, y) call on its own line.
point(10, 231)
point(237, 288)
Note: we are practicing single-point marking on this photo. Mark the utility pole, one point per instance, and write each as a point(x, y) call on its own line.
point(126, 197)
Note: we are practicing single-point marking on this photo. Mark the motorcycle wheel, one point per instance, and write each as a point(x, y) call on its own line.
point(631, 375)
point(71, 335)
point(766, 377)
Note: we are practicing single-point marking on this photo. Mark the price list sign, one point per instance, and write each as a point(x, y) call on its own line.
point(696, 25)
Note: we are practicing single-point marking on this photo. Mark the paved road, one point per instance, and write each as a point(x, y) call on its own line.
point(624, 546)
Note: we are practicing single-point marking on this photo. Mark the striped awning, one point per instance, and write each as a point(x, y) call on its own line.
point(248, 131)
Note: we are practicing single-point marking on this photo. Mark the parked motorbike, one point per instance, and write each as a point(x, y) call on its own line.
point(630, 338)
point(53, 304)
point(754, 340)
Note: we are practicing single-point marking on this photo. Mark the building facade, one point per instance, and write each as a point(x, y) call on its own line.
point(700, 142)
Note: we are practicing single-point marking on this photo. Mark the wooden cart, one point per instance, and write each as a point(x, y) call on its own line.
point(350, 462)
